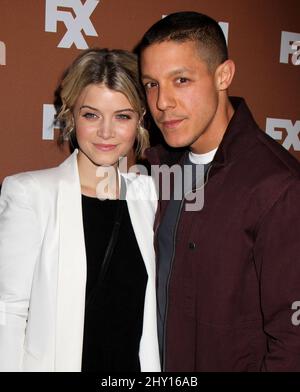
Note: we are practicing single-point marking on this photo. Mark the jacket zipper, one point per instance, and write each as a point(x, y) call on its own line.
point(171, 266)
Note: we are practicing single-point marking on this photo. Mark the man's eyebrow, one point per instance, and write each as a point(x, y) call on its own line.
point(178, 71)
point(146, 76)
point(174, 72)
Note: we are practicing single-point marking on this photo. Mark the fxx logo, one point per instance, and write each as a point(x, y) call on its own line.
point(74, 25)
point(290, 46)
point(277, 128)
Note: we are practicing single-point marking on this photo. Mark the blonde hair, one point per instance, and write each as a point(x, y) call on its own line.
point(116, 69)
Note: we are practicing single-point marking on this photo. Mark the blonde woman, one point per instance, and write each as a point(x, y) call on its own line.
point(77, 273)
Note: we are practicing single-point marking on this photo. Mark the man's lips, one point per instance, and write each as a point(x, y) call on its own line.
point(105, 147)
point(169, 124)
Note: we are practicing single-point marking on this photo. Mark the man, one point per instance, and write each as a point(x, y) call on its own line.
point(228, 273)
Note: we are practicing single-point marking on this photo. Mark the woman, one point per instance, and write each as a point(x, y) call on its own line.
point(77, 274)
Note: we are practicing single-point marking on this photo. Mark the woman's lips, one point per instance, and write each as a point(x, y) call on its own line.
point(105, 147)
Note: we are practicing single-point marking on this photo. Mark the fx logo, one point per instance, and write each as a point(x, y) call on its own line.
point(2, 53)
point(224, 26)
point(290, 45)
point(48, 122)
point(73, 25)
point(293, 131)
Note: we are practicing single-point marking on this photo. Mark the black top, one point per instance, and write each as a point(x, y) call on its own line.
point(115, 306)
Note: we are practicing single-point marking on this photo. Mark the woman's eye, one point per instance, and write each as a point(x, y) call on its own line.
point(89, 115)
point(123, 117)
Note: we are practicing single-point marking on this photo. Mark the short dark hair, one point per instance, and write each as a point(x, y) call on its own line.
point(189, 26)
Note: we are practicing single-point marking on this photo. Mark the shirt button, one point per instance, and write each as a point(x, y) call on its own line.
point(192, 245)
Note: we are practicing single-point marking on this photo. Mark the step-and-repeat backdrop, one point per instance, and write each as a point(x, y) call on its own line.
point(40, 38)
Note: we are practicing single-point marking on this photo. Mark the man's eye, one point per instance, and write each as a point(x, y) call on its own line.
point(181, 80)
point(150, 85)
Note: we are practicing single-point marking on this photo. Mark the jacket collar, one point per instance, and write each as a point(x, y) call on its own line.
point(236, 140)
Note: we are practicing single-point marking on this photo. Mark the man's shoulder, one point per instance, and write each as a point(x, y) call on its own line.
point(255, 147)
point(271, 155)
point(267, 170)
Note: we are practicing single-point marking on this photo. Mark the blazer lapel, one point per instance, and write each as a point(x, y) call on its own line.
point(141, 201)
point(71, 270)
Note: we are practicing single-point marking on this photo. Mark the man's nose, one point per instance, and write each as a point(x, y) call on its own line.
point(165, 99)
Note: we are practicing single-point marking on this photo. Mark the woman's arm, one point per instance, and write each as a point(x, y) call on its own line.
point(19, 250)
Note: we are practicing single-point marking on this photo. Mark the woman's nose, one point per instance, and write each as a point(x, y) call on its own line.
point(105, 130)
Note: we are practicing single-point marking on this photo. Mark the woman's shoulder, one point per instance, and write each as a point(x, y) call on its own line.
point(41, 179)
point(27, 188)
point(30, 178)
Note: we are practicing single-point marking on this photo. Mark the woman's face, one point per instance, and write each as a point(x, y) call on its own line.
point(106, 125)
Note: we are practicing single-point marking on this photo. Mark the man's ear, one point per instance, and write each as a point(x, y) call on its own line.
point(224, 74)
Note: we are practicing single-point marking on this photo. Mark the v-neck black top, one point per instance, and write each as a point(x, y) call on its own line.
point(114, 316)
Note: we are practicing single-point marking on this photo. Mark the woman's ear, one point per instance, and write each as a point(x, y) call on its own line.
point(224, 74)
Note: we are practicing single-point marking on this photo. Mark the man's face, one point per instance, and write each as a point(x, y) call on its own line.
point(181, 93)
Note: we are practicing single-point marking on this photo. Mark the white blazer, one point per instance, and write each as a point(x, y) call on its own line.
point(43, 269)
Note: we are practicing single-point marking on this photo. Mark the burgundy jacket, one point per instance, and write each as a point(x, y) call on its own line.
point(236, 271)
